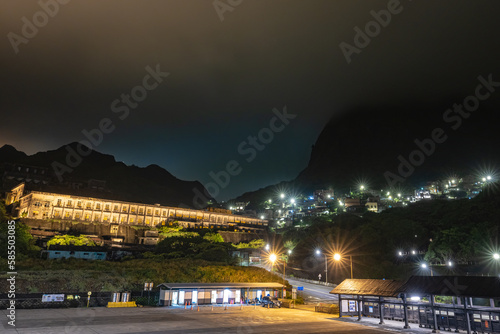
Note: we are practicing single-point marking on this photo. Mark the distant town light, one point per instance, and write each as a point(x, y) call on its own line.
point(484, 179)
point(488, 177)
point(270, 200)
point(496, 256)
point(318, 252)
point(413, 252)
point(400, 253)
point(261, 217)
point(328, 196)
point(267, 247)
point(292, 200)
point(282, 195)
point(362, 187)
point(399, 195)
point(450, 264)
point(289, 252)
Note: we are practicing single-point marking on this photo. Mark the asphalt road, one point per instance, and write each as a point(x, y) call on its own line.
point(314, 293)
point(247, 320)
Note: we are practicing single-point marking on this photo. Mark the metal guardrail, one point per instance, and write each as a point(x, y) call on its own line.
point(310, 281)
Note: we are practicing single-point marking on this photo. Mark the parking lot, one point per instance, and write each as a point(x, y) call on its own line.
point(248, 319)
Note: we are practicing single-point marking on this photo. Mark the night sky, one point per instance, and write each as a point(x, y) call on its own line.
point(226, 76)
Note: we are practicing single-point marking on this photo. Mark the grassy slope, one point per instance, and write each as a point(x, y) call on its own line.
point(52, 276)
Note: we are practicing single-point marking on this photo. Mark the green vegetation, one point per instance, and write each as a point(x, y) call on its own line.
point(465, 231)
point(175, 231)
point(257, 244)
point(66, 240)
point(38, 275)
point(24, 241)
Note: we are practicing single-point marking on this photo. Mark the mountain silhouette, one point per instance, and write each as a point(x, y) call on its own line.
point(95, 175)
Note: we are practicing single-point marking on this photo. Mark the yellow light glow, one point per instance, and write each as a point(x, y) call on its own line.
point(272, 257)
point(337, 257)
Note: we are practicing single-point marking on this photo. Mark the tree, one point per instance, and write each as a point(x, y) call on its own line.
point(213, 237)
point(70, 240)
point(24, 241)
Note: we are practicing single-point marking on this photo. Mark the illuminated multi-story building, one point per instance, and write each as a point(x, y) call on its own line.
point(56, 206)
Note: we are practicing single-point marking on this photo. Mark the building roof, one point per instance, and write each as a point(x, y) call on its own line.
point(369, 287)
point(460, 286)
point(220, 285)
point(468, 286)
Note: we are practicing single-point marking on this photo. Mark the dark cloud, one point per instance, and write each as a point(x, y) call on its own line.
point(226, 77)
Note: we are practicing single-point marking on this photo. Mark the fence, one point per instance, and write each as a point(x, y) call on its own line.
point(448, 317)
point(77, 299)
point(327, 308)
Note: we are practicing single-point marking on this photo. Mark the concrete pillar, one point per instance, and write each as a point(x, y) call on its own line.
point(434, 318)
point(381, 310)
point(467, 318)
point(405, 311)
point(340, 306)
point(359, 307)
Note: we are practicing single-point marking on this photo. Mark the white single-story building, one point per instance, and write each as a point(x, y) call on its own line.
point(172, 294)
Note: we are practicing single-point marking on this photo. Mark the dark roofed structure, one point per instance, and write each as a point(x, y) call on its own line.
point(390, 299)
point(369, 287)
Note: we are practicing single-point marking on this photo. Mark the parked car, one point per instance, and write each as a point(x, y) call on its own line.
point(271, 301)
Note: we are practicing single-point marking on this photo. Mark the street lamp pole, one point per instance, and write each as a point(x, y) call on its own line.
point(350, 259)
point(326, 265)
point(326, 270)
point(337, 257)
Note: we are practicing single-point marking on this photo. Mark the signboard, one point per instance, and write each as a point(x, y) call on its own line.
point(148, 286)
point(352, 306)
point(294, 293)
point(52, 298)
point(300, 288)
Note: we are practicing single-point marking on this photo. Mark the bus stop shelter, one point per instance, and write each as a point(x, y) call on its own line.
point(172, 294)
point(414, 301)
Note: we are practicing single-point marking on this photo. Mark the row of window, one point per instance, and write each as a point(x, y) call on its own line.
point(106, 218)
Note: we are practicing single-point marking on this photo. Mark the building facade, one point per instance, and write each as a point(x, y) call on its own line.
point(45, 206)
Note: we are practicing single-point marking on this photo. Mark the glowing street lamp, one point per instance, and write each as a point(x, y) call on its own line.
point(267, 247)
point(362, 187)
point(292, 201)
point(496, 256)
point(282, 195)
point(425, 266)
point(488, 177)
point(272, 259)
point(337, 257)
